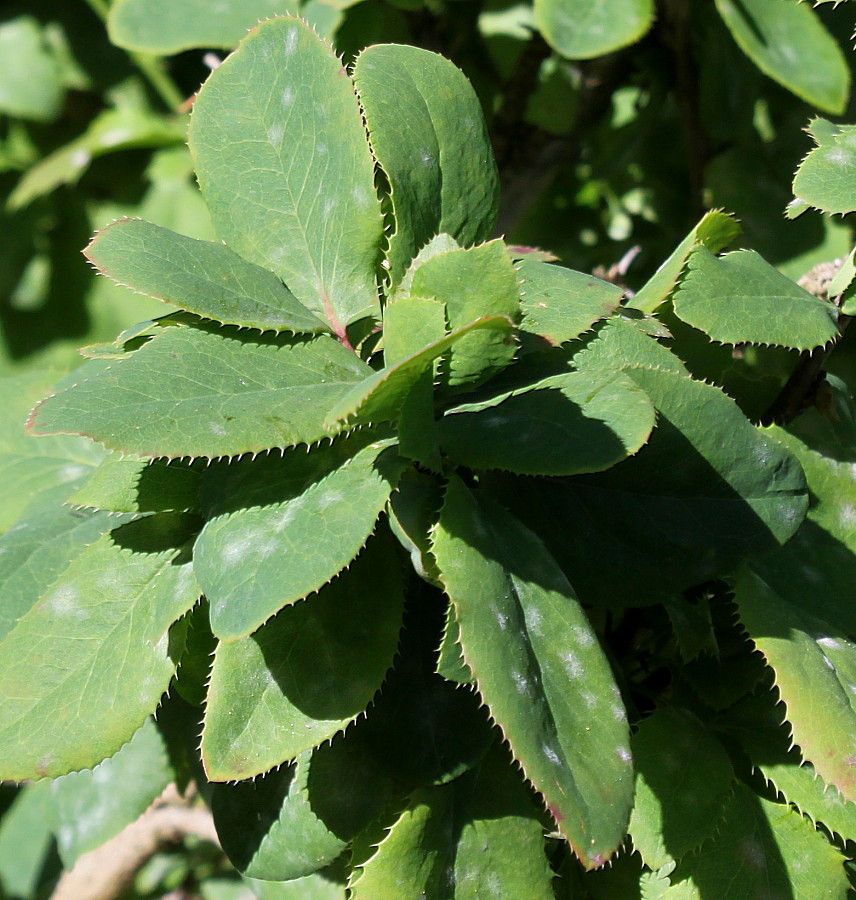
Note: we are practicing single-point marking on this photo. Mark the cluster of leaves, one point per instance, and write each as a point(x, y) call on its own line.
point(458, 517)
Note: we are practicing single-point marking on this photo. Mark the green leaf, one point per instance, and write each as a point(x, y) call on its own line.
point(584, 29)
point(826, 178)
point(559, 304)
point(27, 843)
point(203, 277)
point(85, 666)
point(566, 424)
point(706, 492)
point(765, 849)
point(381, 396)
point(540, 669)
point(167, 27)
point(796, 607)
point(409, 324)
point(741, 299)
point(428, 134)
point(263, 710)
point(30, 467)
point(683, 780)
point(207, 392)
point(129, 484)
point(131, 124)
point(413, 508)
point(95, 805)
point(788, 42)
point(621, 344)
point(35, 551)
point(715, 231)
point(290, 182)
point(288, 527)
point(290, 823)
point(473, 283)
point(478, 836)
point(30, 76)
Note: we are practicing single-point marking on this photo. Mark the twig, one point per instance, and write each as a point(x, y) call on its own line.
point(106, 872)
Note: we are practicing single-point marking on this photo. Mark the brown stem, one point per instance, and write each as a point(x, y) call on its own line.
point(106, 872)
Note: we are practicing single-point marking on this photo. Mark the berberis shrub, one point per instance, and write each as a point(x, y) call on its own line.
point(469, 565)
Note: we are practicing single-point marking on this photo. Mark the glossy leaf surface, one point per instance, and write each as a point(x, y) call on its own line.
point(202, 277)
point(290, 182)
point(196, 392)
point(528, 645)
point(91, 659)
point(261, 708)
point(428, 135)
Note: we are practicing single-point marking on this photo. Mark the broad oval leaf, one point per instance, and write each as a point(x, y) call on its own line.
point(262, 709)
point(428, 134)
point(788, 42)
point(740, 298)
point(479, 836)
point(207, 392)
point(203, 277)
point(563, 425)
point(299, 523)
point(539, 668)
point(294, 821)
point(290, 181)
point(92, 658)
point(166, 27)
point(584, 29)
point(826, 178)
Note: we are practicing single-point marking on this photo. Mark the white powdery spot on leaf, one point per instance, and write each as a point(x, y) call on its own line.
point(551, 754)
point(623, 754)
point(573, 666)
point(290, 44)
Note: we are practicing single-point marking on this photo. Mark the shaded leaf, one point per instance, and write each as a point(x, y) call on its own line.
point(129, 484)
point(262, 710)
point(95, 805)
point(540, 669)
point(299, 523)
point(27, 842)
point(788, 42)
point(765, 849)
point(199, 392)
point(282, 196)
point(428, 135)
point(203, 277)
point(683, 780)
point(567, 424)
point(30, 76)
point(478, 836)
point(740, 298)
point(584, 29)
point(91, 659)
